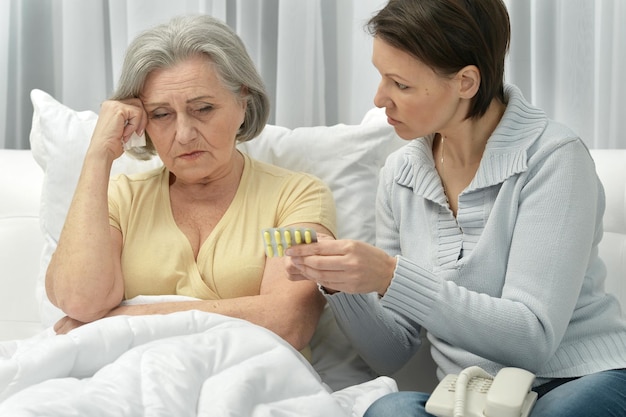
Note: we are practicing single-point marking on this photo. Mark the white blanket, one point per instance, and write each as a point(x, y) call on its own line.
point(183, 364)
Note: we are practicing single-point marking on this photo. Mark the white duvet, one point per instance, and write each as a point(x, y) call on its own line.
point(183, 364)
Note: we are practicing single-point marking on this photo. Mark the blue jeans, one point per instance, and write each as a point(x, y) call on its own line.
point(602, 394)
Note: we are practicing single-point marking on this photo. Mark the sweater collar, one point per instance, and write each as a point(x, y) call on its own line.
point(505, 154)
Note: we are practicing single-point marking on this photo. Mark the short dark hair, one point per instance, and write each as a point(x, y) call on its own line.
point(184, 37)
point(448, 35)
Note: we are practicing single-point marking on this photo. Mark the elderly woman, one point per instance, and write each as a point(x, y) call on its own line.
point(193, 226)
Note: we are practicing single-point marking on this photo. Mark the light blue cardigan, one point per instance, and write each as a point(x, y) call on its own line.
point(514, 280)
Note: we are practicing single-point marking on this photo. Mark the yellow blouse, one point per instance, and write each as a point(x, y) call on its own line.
point(157, 258)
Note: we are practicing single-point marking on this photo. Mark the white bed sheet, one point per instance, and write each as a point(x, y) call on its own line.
point(189, 363)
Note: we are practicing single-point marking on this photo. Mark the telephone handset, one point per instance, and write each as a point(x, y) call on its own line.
point(475, 393)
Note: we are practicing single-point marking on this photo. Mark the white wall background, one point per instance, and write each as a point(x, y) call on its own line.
point(567, 56)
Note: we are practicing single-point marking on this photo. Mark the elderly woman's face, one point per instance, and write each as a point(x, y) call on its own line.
point(192, 119)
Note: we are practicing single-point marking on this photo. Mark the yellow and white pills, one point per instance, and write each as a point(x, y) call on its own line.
point(277, 239)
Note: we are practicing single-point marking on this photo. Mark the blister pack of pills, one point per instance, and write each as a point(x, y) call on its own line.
point(277, 239)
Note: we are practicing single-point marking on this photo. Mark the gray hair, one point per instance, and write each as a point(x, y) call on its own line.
point(183, 37)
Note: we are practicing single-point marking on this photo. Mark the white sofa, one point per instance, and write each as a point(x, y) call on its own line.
point(334, 153)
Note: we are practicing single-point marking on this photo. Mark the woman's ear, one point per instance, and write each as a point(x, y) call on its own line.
point(469, 78)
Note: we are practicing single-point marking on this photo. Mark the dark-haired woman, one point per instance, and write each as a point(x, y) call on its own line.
point(488, 223)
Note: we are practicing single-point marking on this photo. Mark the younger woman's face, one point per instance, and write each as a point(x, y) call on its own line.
point(418, 101)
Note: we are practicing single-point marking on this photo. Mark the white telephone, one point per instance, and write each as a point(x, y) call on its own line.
point(475, 393)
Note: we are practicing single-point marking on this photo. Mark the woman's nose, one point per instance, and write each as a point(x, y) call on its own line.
point(380, 98)
point(185, 130)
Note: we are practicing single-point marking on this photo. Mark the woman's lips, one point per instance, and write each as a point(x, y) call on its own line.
point(191, 155)
point(392, 121)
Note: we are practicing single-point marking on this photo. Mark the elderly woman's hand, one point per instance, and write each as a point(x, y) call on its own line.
point(64, 325)
point(342, 265)
point(117, 121)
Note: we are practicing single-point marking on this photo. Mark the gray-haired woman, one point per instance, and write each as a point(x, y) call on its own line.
point(191, 227)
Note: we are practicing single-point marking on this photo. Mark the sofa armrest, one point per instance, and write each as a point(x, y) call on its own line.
point(21, 243)
point(611, 168)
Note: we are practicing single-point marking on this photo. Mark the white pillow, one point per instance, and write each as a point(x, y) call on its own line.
point(346, 157)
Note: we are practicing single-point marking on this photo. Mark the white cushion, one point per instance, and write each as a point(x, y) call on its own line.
point(347, 157)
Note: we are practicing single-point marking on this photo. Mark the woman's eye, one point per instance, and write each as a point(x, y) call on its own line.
point(204, 109)
point(401, 86)
point(159, 115)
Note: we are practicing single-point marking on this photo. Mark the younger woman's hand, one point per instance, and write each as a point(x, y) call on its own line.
point(342, 265)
